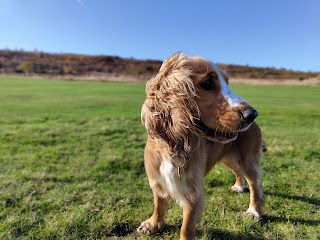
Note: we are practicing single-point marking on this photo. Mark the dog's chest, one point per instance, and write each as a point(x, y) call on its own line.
point(171, 184)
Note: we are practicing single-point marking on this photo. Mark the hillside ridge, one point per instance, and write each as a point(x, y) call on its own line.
point(102, 66)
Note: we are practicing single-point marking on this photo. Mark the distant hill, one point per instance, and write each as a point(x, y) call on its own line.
point(103, 67)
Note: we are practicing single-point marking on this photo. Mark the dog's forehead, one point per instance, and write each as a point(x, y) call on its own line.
point(200, 65)
point(201, 68)
point(218, 71)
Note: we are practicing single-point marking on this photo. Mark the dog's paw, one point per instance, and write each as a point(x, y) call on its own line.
point(237, 189)
point(147, 228)
point(253, 213)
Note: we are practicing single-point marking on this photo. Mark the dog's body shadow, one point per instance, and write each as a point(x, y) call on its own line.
point(125, 229)
point(310, 200)
point(213, 234)
point(271, 219)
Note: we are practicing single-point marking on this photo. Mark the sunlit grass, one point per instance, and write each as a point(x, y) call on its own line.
point(71, 164)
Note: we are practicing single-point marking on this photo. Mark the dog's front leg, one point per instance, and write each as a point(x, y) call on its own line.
point(191, 216)
point(155, 223)
point(253, 176)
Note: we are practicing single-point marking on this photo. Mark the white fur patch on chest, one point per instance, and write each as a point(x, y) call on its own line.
point(171, 184)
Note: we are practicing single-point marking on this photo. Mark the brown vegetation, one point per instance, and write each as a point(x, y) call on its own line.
point(101, 68)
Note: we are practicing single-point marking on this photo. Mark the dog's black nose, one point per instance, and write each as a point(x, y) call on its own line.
point(249, 115)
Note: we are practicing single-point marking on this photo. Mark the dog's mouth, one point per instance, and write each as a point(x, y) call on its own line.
point(216, 135)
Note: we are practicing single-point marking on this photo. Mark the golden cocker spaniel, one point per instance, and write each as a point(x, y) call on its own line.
point(193, 121)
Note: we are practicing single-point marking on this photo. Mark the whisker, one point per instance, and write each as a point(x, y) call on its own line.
point(215, 133)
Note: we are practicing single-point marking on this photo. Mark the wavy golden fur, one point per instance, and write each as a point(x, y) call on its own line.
point(193, 121)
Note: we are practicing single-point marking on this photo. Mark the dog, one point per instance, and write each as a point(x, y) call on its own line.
point(193, 121)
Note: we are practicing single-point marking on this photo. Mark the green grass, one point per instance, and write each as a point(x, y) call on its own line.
point(71, 165)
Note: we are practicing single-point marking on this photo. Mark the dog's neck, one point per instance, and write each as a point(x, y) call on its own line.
point(179, 149)
point(204, 129)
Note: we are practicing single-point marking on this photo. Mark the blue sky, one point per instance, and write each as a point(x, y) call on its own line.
point(272, 33)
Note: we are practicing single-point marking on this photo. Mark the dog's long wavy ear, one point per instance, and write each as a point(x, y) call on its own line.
point(169, 110)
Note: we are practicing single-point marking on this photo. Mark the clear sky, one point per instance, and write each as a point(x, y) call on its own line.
point(271, 33)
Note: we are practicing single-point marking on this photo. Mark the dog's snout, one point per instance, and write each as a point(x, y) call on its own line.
point(249, 115)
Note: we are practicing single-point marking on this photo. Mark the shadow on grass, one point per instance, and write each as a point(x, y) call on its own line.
point(274, 219)
point(212, 233)
point(224, 235)
point(310, 200)
point(124, 229)
point(267, 219)
point(19, 231)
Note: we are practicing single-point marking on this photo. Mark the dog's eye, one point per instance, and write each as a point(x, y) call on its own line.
point(207, 84)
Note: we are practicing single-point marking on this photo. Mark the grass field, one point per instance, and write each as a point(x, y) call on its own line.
point(71, 165)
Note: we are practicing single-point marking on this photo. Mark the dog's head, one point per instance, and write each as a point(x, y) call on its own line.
point(190, 96)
